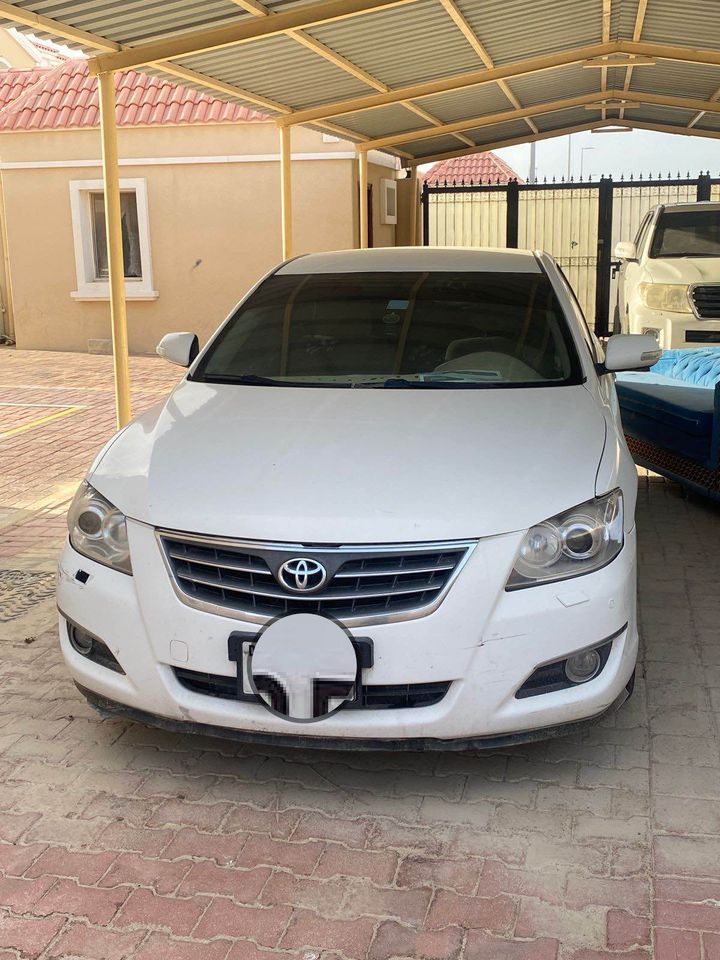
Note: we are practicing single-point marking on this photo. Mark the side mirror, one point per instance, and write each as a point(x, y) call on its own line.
point(626, 250)
point(179, 348)
point(631, 351)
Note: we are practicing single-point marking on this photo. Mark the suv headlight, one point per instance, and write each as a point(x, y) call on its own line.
point(98, 530)
point(671, 297)
point(572, 543)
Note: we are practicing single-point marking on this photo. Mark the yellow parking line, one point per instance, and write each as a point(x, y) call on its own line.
point(39, 422)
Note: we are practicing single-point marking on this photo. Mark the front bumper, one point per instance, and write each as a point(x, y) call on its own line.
point(110, 709)
point(485, 641)
point(673, 329)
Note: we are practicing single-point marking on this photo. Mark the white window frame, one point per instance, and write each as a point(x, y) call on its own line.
point(88, 287)
point(387, 187)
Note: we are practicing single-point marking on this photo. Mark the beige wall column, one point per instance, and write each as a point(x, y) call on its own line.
point(408, 206)
point(286, 191)
point(7, 321)
point(414, 206)
point(116, 265)
point(363, 163)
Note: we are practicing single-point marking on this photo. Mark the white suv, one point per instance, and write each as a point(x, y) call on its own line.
point(669, 277)
point(391, 498)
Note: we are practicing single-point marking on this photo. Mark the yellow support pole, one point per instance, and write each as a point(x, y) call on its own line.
point(116, 265)
point(286, 192)
point(363, 199)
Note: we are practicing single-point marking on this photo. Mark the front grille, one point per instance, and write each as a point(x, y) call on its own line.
point(363, 584)
point(706, 301)
point(401, 696)
point(702, 336)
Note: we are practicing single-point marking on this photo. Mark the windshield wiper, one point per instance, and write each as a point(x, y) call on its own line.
point(253, 380)
point(400, 383)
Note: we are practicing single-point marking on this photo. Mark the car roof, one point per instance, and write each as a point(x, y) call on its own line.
point(408, 259)
point(697, 205)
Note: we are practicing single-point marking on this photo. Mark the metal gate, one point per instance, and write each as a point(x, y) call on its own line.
point(578, 223)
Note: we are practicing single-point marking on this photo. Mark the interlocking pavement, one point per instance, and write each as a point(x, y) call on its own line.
point(120, 841)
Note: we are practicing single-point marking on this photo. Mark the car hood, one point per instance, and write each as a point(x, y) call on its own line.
point(318, 465)
point(685, 270)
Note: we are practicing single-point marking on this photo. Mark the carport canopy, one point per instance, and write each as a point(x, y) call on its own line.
point(421, 79)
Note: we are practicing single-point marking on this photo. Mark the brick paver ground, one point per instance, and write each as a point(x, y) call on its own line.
point(121, 841)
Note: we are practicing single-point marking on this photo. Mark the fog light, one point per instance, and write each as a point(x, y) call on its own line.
point(90, 646)
point(582, 667)
point(79, 640)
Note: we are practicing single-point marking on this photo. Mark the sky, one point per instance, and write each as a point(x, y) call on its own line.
point(616, 154)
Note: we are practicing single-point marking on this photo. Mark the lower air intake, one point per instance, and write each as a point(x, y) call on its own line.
point(402, 696)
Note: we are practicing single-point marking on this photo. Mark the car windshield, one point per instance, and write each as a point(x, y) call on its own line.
point(687, 233)
point(396, 330)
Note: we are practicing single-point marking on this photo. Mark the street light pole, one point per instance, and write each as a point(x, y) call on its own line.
point(569, 157)
point(582, 158)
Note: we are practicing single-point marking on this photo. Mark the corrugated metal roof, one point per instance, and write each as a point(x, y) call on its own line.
point(134, 21)
point(555, 84)
point(398, 50)
point(304, 79)
point(622, 18)
point(418, 42)
point(517, 29)
point(669, 76)
point(428, 148)
point(688, 22)
point(471, 102)
point(567, 118)
point(383, 122)
point(497, 132)
point(710, 121)
point(652, 114)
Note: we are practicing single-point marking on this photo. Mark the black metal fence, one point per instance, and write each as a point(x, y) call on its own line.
point(579, 223)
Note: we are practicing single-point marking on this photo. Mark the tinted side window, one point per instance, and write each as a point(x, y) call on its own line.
point(642, 232)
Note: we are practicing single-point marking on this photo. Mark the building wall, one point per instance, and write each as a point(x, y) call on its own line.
point(383, 235)
point(214, 227)
point(13, 53)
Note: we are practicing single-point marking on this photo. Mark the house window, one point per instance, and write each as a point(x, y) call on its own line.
point(130, 236)
point(87, 203)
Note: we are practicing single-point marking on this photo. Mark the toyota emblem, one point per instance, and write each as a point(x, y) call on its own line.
point(302, 575)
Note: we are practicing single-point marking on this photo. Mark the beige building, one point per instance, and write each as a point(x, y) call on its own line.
point(201, 206)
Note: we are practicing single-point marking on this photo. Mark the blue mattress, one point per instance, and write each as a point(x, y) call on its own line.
point(668, 413)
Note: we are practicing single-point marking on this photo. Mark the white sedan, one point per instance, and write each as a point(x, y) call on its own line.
point(390, 504)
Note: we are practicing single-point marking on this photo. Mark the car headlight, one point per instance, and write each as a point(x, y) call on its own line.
point(98, 529)
point(572, 543)
point(671, 297)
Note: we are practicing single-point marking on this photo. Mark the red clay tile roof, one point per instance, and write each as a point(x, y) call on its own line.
point(48, 49)
point(66, 97)
point(13, 83)
point(474, 168)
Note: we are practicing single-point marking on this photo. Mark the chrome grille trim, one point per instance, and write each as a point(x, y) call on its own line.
point(705, 300)
point(241, 575)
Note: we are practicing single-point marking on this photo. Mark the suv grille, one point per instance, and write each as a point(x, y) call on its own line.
point(362, 584)
point(706, 301)
point(378, 697)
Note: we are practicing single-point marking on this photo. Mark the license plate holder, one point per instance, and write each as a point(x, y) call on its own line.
point(241, 644)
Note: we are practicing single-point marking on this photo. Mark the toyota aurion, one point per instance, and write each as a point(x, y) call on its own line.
point(389, 505)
